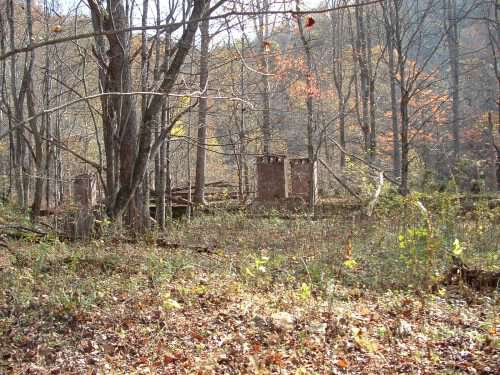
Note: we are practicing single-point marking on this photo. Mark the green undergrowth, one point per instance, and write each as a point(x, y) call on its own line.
point(360, 271)
point(401, 246)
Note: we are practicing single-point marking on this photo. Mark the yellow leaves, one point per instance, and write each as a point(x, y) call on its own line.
point(301, 371)
point(169, 303)
point(350, 263)
point(457, 249)
point(178, 129)
point(248, 272)
point(184, 101)
point(304, 292)
point(363, 342)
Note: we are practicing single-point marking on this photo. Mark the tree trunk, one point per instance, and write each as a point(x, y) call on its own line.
point(18, 146)
point(371, 90)
point(361, 54)
point(143, 199)
point(245, 188)
point(454, 88)
point(389, 32)
point(339, 74)
point(404, 102)
point(310, 119)
point(201, 151)
point(262, 35)
point(133, 156)
point(491, 178)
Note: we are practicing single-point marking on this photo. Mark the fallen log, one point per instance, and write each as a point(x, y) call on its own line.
point(161, 242)
point(20, 232)
point(22, 228)
point(344, 185)
point(3, 243)
point(373, 201)
point(473, 277)
point(219, 184)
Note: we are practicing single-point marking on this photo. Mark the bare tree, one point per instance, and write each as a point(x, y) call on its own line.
point(134, 139)
point(389, 34)
point(343, 83)
point(262, 32)
point(201, 151)
point(310, 111)
point(451, 29)
point(18, 96)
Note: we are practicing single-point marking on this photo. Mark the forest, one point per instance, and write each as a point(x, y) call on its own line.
point(249, 187)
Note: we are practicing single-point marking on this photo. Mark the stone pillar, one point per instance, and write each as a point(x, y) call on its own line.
point(272, 179)
point(301, 177)
point(84, 190)
point(81, 225)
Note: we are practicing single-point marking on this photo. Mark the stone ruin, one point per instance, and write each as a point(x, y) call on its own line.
point(85, 190)
point(80, 224)
point(272, 178)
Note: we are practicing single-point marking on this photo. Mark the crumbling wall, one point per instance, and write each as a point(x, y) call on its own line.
point(300, 175)
point(272, 179)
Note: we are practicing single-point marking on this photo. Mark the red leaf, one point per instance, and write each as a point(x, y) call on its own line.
point(310, 22)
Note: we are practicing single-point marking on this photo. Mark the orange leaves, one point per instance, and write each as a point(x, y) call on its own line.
point(300, 89)
point(167, 359)
point(303, 84)
point(275, 358)
point(174, 358)
point(348, 248)
point(342, 363)
point(308, 22)
point(256, 348)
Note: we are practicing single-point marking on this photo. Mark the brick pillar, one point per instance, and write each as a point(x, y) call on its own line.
point(272, 179)
point(301, 177)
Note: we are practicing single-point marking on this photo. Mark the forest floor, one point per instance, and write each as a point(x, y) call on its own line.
point(259, 296)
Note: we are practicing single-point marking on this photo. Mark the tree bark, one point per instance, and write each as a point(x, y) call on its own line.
point(310, 113)
point(262, 35)
point(134, 144)
point(451, 23)
point(493, 154)
point(404, 101)
point(201, 151)
point(339, 75)
point(362, 60)
point(389, 32)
